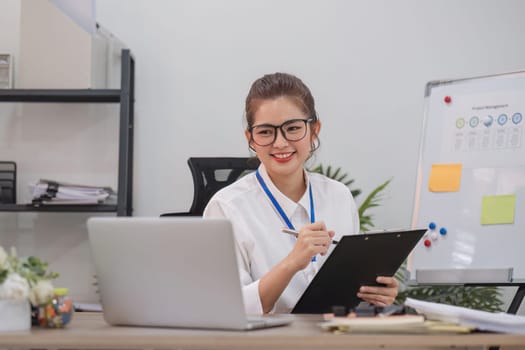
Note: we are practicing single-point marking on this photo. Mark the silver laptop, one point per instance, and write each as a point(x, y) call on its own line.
point(170, 272)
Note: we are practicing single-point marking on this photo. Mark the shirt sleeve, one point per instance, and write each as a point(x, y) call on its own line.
point(250, 288)
point(346, 205)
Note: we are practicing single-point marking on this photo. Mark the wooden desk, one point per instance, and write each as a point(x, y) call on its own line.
point(89, 331)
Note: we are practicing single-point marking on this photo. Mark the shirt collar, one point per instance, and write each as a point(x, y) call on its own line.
point(305, 199)
point(288, 205)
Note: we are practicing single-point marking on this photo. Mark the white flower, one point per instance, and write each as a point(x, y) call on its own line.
point(26, 278)
point(41, 292)
point(14, 287)
point(13, 252)
point(3, 257)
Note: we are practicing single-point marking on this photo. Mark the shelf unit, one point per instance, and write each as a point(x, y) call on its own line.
point(125, 97)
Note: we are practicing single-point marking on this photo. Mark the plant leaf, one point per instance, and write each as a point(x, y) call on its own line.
point(480, 298)
point(337, 175)
point(372, 200)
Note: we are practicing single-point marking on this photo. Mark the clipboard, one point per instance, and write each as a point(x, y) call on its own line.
point(356, 261)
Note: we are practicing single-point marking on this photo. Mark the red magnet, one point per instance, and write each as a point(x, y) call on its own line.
point(447, 99)
point(427, 243)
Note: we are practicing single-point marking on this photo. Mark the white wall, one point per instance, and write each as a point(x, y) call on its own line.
point(46, 62)
point(10, 26)
point(366, 62)
point(77, 143)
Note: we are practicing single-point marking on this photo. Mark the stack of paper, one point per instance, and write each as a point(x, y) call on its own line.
point(345, 324)
point(483, 320)
point(405, 324)
point(52, 192)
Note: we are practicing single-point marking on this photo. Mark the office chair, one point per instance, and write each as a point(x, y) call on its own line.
point(210, 174)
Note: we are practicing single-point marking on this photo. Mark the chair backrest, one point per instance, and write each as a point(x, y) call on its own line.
point(210, 174)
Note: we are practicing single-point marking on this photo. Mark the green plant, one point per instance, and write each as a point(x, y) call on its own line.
point(25, 278)
point(371, 201)
point(480, 298)
point(336, 175)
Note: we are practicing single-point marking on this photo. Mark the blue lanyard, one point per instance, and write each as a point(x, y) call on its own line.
point(278, 207)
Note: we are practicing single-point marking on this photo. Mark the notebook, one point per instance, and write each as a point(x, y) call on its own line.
point(170, 272)
point(356, 261)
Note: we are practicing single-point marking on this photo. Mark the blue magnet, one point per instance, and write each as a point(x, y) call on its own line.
point(432, 226)
point(443, 231)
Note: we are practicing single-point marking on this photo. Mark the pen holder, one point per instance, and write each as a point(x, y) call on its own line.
point(57, 312)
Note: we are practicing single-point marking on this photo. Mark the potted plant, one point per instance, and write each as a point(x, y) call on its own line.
point(371, 201)
point(22, 282)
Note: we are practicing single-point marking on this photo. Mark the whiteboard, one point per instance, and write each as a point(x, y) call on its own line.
point(474, 125)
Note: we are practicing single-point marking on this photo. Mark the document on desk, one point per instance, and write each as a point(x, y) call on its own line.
point(404, 324)
point(483, 320)
point(373, 323)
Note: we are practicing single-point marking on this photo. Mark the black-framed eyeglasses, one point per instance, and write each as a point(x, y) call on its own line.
point(292, 130)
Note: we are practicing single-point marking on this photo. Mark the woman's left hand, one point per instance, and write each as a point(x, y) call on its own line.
point(380, 296)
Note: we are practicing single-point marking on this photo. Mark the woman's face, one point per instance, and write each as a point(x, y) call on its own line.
point(282, 158)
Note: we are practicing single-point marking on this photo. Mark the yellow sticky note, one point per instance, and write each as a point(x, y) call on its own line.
point(498, 209)
point(444, 178)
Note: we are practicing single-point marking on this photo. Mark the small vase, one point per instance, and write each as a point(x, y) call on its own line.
point(15, 315)
point(56, 313)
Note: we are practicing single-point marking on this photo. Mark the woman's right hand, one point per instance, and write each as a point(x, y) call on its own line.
point(313, 239)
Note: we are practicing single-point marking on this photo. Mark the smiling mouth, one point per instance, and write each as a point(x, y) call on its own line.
point(283, 155)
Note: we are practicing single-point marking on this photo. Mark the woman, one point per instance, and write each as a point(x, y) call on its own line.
point(282, 129)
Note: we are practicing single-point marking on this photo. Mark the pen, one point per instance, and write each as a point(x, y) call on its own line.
point(295, 233)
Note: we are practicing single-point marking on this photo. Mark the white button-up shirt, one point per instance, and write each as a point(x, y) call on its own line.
point(257, 225)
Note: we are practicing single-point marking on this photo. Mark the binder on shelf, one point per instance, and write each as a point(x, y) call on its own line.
point(124, 97)
point(7, 182)
point(48, 192)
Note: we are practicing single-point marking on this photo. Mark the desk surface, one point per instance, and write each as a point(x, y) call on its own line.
point(89, 331)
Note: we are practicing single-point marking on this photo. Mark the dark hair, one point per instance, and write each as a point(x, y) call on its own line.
point(272, 86)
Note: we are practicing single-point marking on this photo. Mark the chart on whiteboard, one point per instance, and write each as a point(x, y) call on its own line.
point(481, 129)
